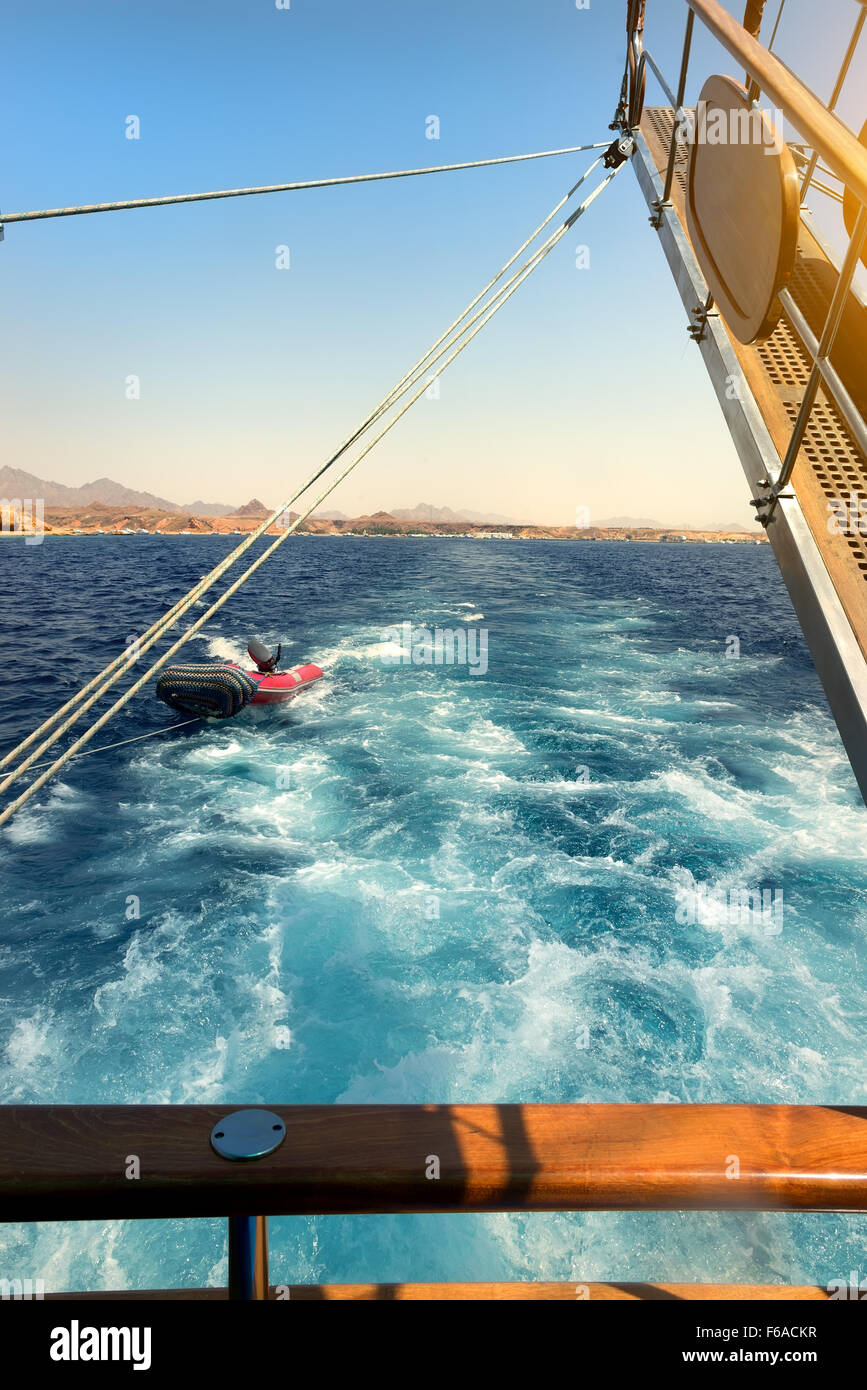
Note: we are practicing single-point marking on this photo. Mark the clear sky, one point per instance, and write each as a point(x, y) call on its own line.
point(584, 391)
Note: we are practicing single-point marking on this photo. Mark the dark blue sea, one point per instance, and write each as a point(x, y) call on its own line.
point(416, 883)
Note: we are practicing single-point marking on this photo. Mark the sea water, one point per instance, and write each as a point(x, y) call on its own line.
point(424, 883)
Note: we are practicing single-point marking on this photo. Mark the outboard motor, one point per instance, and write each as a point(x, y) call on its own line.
point(265, 661)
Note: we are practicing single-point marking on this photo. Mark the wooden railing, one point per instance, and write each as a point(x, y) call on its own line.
point(72, 1162)
point(828, 135)
point(69, 1162)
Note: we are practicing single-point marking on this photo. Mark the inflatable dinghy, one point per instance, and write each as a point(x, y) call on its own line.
point(220, 691)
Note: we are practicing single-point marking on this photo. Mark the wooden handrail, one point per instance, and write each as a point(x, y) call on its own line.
point(502, 1292)
point(833, 140)
point(71, 1162)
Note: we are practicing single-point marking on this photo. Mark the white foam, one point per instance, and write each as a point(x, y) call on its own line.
point(31, 1040)
point(227, 649)
point(35, 823)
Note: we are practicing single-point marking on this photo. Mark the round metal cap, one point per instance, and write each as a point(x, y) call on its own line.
point(248, 1134)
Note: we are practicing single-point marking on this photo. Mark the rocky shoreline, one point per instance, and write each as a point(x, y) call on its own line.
point(100, 519)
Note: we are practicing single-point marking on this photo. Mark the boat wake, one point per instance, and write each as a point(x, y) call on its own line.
point(414, 885)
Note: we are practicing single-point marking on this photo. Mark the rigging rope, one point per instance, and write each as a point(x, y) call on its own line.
point(479, 320)
point(6, 218)
point(776, 25)
point(121, 743)
point(128, 658)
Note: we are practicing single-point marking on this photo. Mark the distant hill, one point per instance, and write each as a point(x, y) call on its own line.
point(252, 508)
point(636, 523)
point(178, 523)
point(208, 509)
point(112, 494)
point(15, 482)
point(424, 511)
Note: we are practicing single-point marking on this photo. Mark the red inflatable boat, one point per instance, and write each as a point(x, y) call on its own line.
point(273, 687)
point(217, 691)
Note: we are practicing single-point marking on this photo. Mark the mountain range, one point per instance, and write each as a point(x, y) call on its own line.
point(15, 482)
point(643, 522)
point(423, 511)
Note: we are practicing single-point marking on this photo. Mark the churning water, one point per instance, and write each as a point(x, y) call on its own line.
point(419, 884)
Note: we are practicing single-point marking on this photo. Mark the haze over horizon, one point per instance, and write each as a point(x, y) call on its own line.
point(17, 484)
point(585, 392)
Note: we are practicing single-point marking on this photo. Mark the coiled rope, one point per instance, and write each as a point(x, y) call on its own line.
point(77, 705)
point(475, 324)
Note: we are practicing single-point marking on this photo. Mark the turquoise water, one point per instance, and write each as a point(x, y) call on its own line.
point(418, 884)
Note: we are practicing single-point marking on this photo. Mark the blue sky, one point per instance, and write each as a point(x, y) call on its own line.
point(584, 391)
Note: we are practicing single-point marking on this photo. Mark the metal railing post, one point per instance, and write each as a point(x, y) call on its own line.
point(245, 1136)
point(248, 1258)
point(681, 93)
